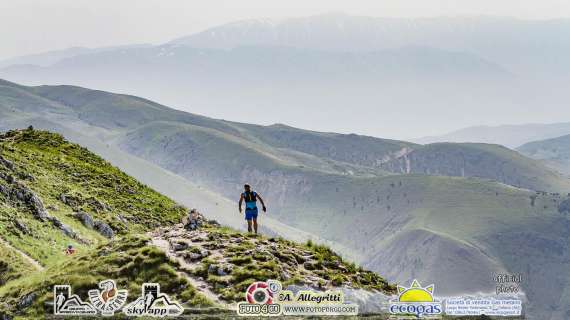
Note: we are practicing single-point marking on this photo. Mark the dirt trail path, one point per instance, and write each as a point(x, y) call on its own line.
point(160, 241)
point(24, 255)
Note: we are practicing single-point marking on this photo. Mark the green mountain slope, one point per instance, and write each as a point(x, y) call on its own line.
point(555, 152)
point(479, 160)
point(126, 120)
point(54, 193)
point(113, 113)
point(354, 149)
point(347, 190)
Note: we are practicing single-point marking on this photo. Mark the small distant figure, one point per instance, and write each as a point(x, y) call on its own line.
point(193, 222)
point(69, 250)
point(251, 198)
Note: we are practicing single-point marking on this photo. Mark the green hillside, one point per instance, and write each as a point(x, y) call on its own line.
point(479, 160)
point(554, 153)
point(45, 181)
point(49, 186)
point(354, 149)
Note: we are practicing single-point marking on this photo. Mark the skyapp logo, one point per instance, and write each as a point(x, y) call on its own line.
point(416, 300)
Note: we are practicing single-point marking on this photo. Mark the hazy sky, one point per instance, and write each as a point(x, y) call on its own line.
point(31, 26)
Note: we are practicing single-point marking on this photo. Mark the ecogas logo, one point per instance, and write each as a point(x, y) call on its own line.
point(416, 300)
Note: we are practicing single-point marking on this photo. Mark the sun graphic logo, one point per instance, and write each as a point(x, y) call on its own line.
point(416, 300)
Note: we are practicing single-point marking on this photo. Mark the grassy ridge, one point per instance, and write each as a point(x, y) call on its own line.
point(129, 261)
point(49, 166)
point(67, 179)
point(55, 169)
point(69, 169)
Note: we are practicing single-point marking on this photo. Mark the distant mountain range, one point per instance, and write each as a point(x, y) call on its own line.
point(436, 212)
point(494, 38)
point(511, 136)
point(45, 59)
point(393, 77)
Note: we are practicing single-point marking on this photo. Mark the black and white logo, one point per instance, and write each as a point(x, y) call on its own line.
point(65, 303)
point(153, 303)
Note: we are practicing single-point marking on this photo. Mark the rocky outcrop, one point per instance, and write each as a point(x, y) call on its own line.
point(73, 201)
point(16, 191)
point(104, 229)
point(6, 163)
point(222, 259)
point(85, 219)
point(37, 205)
point(27, 300)
point(21, 226)
point(63, 227)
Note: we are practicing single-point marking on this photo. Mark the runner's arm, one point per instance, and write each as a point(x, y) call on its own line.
point(262, 203)
point(240, 202)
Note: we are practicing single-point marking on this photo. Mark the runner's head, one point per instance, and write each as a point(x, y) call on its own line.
point(246, 187)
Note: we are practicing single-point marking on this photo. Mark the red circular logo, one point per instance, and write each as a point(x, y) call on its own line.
point(258, 293)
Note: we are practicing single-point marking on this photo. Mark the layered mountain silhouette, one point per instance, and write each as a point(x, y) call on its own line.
point(511, 136)
point(394, 77)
